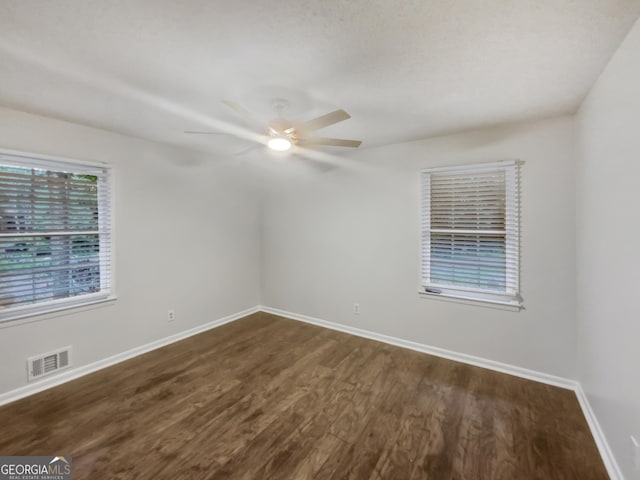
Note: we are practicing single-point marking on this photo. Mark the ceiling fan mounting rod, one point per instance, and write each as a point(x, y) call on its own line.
point(280, 105)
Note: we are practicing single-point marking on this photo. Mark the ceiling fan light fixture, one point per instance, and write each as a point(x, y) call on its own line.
point(279, 144)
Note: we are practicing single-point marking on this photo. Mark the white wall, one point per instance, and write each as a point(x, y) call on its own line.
point(608, 253)
point(193, 234)
point(352, 235)
point(187, 237)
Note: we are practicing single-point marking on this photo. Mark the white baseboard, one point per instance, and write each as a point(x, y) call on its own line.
point(439, 352)
point(598, 435)
point(74, 373)
point(601, 442)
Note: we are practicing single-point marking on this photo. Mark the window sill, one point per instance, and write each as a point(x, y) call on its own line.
point(480, 302)
point(20, 318)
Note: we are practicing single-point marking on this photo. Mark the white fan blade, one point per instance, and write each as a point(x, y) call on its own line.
point(197, 132)
point(333, 142)
point(323, 121)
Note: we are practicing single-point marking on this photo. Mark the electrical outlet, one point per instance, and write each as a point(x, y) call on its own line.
point(636, 453)
point(171, 315)
point(356, 308)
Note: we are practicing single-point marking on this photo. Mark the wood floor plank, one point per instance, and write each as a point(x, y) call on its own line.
point(476, 442)
point(270, 398)
point(399, 459)
point(322, 452)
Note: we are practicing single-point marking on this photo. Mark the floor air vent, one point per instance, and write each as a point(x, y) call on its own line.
point(49, 363)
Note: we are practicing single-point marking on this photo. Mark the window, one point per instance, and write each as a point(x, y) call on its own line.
point(470, 232)
point(55, 235)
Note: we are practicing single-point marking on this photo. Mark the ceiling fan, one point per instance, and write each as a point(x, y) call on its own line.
point(281, 134)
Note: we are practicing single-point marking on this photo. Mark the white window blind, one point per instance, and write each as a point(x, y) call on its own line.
point(470, 232)
point(55, 234)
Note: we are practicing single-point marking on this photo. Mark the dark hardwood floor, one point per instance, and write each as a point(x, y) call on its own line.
point(270, 398)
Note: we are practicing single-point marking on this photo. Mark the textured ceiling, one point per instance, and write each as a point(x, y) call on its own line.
point(404, 70)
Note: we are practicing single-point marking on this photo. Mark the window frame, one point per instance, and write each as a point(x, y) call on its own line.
point(512, 232)
point(106, 210)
